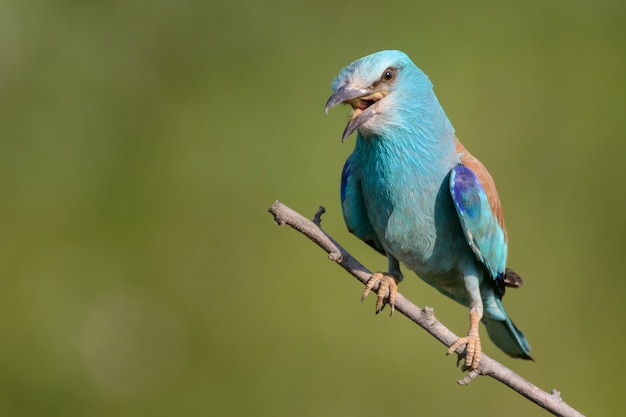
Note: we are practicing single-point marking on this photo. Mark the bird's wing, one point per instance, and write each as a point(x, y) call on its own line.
point(483, 229)
point(353, 206)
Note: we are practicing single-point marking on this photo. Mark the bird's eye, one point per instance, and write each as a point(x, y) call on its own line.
point(388, 75)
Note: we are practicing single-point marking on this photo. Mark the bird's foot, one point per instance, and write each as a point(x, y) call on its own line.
point(471, 343)
point(386, 291)
point(472, 350)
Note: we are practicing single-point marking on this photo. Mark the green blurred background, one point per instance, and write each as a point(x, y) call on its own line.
point(143, 141)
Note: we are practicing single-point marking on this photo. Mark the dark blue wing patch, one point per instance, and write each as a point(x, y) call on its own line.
point(482, 231)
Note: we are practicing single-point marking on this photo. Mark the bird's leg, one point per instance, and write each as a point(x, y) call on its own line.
point(471, 343)
point(388, 286)
point(472, 340)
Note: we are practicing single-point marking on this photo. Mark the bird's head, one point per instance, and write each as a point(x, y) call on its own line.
point(378, 87)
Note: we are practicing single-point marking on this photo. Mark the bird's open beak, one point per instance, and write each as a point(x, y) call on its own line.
point(361, 100)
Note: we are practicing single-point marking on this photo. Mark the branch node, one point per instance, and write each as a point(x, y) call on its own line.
point(469, 377)
point(317, 219)
point(556, 395)
point(335, 256)
point(429, 315)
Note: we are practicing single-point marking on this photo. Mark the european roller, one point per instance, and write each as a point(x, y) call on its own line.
point(413, 192)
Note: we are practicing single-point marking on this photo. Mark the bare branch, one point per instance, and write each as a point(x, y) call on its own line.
point(425, 318)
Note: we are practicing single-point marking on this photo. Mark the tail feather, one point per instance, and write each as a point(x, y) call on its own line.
point(507, 337)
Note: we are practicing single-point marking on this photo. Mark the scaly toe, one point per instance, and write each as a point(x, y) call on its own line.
point(374, 279)
point(461, 341)
point(387, 290)
point(472, 350)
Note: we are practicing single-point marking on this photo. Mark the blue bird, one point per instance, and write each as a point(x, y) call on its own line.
point(413, 192)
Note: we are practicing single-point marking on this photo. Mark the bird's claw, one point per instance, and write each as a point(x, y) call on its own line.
point(472, 350)
point(471, 343)
point(386, 291)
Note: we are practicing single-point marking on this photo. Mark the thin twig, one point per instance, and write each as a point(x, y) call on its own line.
point(425, 318)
